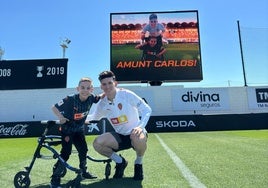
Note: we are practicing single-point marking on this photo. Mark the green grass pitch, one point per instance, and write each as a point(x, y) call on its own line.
point(215, 159)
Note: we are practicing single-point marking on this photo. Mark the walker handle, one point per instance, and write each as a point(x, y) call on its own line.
point(50, 122)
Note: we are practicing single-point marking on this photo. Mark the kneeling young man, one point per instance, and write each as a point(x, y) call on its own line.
point(128, 114)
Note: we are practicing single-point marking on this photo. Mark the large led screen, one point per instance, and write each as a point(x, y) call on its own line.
point(156, 46)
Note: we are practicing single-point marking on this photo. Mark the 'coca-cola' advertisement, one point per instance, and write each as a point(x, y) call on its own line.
point(24, 129)
point(36, 129)
point(17, 130)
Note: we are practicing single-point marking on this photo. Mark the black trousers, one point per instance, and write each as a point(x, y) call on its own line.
point(77, 139)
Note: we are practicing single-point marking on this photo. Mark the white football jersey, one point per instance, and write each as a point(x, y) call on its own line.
point(125, 112)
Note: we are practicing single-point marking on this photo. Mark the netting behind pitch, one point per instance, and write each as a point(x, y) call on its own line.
point(255, 54)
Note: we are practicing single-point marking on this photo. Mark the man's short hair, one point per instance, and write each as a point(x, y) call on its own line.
point(106, 74)
point(85, 79)
point(152, 16)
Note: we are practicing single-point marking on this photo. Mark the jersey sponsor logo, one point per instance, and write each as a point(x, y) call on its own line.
point(119, 120)
point(78, 116)
point(60, 103)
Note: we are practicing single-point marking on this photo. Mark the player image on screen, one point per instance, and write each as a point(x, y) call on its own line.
point(151, 51)
point(153, 29)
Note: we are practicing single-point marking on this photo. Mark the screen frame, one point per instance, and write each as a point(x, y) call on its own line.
point(130, 78)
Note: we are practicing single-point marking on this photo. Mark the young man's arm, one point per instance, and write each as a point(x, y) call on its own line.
point(162, 51)
point(143, 108)
point(96, 115)
point(145, 112)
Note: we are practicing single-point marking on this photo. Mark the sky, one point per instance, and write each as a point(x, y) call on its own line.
point(33, 29)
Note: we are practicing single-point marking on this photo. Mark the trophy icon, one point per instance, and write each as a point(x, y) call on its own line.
point(39, 69)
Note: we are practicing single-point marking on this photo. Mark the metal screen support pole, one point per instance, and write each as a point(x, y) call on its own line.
point(241, 50)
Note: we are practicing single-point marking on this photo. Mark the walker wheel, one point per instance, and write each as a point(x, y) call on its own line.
point(22, 180)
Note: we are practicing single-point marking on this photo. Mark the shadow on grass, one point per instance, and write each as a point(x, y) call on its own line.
point(111, 183)
point(115, 183)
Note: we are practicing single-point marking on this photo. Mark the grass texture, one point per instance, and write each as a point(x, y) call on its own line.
point(215, 159)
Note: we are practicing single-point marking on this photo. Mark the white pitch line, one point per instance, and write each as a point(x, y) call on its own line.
point(187, 174)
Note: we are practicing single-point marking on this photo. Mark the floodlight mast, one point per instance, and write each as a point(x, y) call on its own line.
point(64, 44)
point(2, 51)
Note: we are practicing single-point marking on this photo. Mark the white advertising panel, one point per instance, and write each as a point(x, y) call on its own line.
point(200, 99)
point(146, 95)
point(258, 98)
